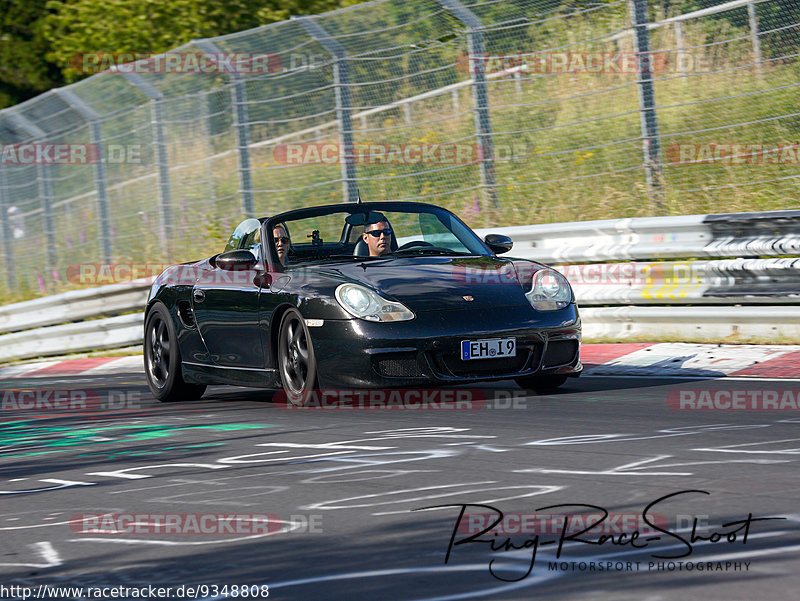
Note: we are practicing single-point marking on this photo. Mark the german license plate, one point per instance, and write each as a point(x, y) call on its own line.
point(488, 349)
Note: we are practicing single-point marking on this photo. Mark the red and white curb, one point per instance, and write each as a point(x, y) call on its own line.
point(75, 367)
point(624, 359)
point(690, 360)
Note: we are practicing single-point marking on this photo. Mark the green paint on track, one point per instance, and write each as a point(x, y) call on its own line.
point(55, 439)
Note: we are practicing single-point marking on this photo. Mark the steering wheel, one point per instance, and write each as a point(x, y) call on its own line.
point(414, 243)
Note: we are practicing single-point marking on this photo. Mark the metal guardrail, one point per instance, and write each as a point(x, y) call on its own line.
point(778, 324)
point(746, 281)
point(752, 296)
point(770, 233)
point(94, 335)
point(73, 306)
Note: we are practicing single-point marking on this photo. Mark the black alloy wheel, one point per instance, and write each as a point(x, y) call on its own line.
point(162, 359)
point(296, 361)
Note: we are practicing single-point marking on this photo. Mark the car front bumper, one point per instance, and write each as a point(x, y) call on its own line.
point(355, 353)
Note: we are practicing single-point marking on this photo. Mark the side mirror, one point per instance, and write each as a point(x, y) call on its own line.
point(236, 260)
point(498, 243)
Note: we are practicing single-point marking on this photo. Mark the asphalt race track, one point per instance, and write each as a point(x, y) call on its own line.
point(340, 488)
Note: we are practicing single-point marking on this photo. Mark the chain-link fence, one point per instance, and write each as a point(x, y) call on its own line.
point(508, 112)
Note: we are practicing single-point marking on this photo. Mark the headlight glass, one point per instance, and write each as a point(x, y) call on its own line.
point(362, 302)
point(549, 291)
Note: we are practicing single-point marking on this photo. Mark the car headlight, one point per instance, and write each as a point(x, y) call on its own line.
point(549, 291)
point(362, 302)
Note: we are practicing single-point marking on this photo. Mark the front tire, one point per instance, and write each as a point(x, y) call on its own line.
point(296, 361)
point(541, 384)
point(162, 359)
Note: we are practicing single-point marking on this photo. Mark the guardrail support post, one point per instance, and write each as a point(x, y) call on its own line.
point(341, 82)
point(240, 126)
point(100, 178)
point(8, 250)
point(647, 103)
point(480, 93)
point(160, 147)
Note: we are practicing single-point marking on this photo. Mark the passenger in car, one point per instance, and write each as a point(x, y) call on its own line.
point(281, 238)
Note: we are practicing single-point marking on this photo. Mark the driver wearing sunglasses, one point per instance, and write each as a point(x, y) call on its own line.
point(378, 237)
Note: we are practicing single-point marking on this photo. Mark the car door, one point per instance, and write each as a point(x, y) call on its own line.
point(226, 307)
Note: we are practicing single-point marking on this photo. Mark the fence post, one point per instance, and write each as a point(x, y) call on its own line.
point(341, 82)
point(753, 18)
point(8, 250)
point(209, 134)
point(100, 178)
point(647, 103)
point(160, 146)
point(480, 93)
point(679, 42)
point(45, 189)
point(240, 125)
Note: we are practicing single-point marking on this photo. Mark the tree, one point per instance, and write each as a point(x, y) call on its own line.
point(24, 68)
point(75, 27)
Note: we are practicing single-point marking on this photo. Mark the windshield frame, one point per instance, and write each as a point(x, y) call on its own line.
point(381, 206)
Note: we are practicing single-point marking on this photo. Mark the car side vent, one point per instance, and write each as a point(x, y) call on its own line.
point(185, 313)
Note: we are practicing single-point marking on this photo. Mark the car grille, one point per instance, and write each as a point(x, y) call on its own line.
point(398, 367)
point(451, 364)
point(560, 352)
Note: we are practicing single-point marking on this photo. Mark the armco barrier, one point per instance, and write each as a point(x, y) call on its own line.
point(772, 233)
point(724, 281)
point(74, 305)
point(779, 324)
point(609, 262)
point(95, 335)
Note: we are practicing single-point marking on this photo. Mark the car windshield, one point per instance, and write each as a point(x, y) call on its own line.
point(336, 233)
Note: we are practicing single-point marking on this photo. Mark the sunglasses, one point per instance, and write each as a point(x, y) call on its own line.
point(283, 239)
point(377, 233)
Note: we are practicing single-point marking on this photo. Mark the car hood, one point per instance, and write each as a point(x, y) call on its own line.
point(440, 283)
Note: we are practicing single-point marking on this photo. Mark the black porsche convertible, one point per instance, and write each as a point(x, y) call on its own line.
point(359, 295)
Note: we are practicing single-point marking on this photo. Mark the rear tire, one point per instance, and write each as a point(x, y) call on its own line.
point(162, 359)
point(541, 384)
